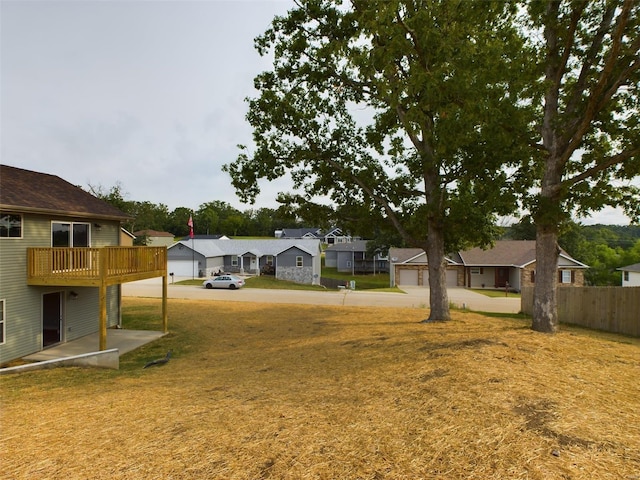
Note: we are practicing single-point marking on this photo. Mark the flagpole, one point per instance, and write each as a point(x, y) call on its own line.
point(193, 252)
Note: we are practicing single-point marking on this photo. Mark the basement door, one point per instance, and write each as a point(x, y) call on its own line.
point(51, 319)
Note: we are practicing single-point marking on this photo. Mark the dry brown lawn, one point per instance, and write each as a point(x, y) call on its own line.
point(258, 391)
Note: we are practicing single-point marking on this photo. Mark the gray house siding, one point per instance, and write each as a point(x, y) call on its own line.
point(23, 303)
point(182, 254)
point(331, 259)
point(287, 268)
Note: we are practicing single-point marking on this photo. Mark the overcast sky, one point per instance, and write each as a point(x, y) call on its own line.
point(148, 94)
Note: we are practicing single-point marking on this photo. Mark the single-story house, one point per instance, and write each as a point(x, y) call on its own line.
point(154, 238)
point(332, 236)
point(308, 233)
point(508, 264)
point(630, 275)
point(353, 258)
point(62, 263)
point(335, 236)
point(296, 260)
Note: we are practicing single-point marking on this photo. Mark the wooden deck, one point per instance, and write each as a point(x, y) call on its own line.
point(94, 267)
point(98, 267)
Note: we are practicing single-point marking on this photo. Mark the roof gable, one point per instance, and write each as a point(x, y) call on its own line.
point(27, 191)
point(218, 248)
point(357, 246)
point(152, 233)
point(630, 268)
point(503, 253)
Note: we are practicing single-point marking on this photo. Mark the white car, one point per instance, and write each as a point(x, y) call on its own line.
point(224, 281)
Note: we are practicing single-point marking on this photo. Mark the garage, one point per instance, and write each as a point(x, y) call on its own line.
point(407, 277)
point(410, 277)
point(183, 268)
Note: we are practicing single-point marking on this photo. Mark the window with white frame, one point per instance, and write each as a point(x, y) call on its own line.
point(565, 276)
point(626, 276)
point(70, 234)
point(234, 260)
point(2, 321)
point(269, 259)
point(299, 262)
point(476, 271)
point(10, 225)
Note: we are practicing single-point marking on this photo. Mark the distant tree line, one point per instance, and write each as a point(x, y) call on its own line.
point(216, 217)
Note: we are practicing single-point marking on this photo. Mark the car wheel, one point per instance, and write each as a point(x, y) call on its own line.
point(209, 286)
point(232, 287)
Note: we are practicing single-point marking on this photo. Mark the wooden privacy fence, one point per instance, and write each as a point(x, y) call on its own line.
point(610, 309)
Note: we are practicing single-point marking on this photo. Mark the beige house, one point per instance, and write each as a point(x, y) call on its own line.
point(508, 264)
point(154, 238)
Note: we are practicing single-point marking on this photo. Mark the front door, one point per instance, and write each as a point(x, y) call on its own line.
point(51, 319)
point(502, 277)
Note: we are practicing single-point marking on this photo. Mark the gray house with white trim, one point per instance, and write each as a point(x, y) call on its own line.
point(293, 259)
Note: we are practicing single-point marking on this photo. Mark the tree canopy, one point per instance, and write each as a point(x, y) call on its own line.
point(400, 110)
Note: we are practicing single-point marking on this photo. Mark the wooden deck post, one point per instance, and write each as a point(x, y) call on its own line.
point(103, 299)
point(165, 320)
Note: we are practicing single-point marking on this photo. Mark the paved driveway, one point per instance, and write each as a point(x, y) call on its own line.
point(416, 297)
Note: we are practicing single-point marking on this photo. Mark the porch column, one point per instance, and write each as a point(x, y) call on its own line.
point(103, 299)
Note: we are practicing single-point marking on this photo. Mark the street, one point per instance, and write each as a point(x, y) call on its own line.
point(415, 297)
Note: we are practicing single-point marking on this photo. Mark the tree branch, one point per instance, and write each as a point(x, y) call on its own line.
point(599, 167)
point(601, 94)
point(589, 59)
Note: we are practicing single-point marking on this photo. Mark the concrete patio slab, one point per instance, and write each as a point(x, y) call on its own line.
point(123, 340)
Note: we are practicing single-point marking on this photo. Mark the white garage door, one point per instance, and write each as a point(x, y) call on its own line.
point(410, 277)
point(452, 278)
point(183, 268)
point(407, 277)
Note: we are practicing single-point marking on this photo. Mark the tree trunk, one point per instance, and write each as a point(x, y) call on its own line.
point(545, 307)
point(438, 296)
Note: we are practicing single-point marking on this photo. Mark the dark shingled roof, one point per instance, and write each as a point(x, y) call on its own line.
point(630, 268)
point(27, 191)
point(152, 233)
point(503, 253)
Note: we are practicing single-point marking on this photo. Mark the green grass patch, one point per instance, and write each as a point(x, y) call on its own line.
point(363, 282)
point(270, 282)
point(378, 282)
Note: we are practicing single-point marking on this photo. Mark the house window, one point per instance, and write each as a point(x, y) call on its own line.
point(565, 276)
point(626, 276)
point(299, 262)
point(269, 259)
point(10, 226)
point(476, 271)
point(533, 276)
point(234, 260)
point(2, 317)
point(69, 234)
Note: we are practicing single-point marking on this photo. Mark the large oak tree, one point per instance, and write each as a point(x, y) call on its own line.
point(401, 108)
point(588, 124)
